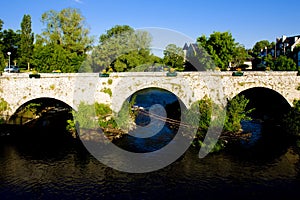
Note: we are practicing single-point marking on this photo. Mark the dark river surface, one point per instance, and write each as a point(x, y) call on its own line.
point(55, 167)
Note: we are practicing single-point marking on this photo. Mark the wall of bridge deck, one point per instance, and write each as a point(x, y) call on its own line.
point(17, 89)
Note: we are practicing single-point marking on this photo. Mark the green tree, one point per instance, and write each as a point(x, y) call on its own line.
point(283, 63)
point(240, 55)
point(221, 47)
point(2, 59)
point(197, 58)
point(291, 120)
point(132, 61)
point(236, 112)
point(10, 43)
point(115, 31)
point(259, 51)
point(26, 42)
point(122, 49)
point(260, 46)
point(53, 57)
point(269, 61)
point(65, 41)
point(174, 57)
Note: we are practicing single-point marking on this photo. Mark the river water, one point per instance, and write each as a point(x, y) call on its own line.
point(51, 166)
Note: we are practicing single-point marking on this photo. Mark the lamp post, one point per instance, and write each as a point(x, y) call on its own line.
point(8, 53)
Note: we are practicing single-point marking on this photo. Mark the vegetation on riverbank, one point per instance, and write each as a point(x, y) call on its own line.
point(100, 115)
point(3, 108)
point(291, 121)
point(235, 113)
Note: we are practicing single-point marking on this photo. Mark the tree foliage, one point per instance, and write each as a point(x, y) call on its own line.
point(64, 42)
point(236, 112)
point(26, 42)
point(283, 63)
point(2, 60)
point(197, 58)
point(115, 31)
point(9, 43)
point(240, 55)
point(122, 48)
point(4, 107)
point(222, 48)
point(291, 120)
point(260, 47)
point(200, 115)
point(174, 57)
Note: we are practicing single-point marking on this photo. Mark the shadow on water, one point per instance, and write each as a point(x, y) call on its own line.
point(267, 142)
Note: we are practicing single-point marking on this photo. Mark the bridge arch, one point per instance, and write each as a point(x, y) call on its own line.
point(284, 83)
point(47, 100)
point(124, 90)
point(158, 96)
point(267, 102)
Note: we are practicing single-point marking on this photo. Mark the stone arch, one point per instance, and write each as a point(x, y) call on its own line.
point(268, 102)
point(245, 87)
point(182, 105)
point(285, 90)
point(123, 90)
point(26, 101)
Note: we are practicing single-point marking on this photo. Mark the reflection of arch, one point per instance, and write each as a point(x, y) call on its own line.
point(268, 103)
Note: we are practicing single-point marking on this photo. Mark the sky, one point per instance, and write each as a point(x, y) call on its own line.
point(249, 21)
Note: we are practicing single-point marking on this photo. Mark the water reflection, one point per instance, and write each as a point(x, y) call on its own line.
point(71, 172)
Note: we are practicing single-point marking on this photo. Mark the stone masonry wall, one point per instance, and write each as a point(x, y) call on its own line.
point(17, 89)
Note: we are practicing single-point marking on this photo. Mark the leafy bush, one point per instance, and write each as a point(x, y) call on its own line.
point(236, 112)
point(283, 63)
point(291, 120)
point(3, 107)
point(200, 115)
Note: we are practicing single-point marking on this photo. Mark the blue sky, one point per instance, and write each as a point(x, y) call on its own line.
point(248, 21)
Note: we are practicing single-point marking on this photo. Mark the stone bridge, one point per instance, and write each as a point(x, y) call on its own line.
point(18, 89)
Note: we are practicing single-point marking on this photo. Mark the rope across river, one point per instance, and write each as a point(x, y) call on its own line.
point(164, 119)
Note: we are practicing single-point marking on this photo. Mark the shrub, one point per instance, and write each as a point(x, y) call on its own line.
point(291, 121)
point(236, 112)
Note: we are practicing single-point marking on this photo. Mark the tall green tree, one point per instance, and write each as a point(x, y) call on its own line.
point(136, 60)
point(174, 57)
point(65, 41)
point(122, 48)
point(2, 60)
point(197, 58)
point(10, 43)
point(115, 31)
point(221, 47)
point(240, 55)
point(26, 42)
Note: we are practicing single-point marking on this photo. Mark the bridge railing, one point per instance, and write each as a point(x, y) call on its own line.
point(152, 74)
